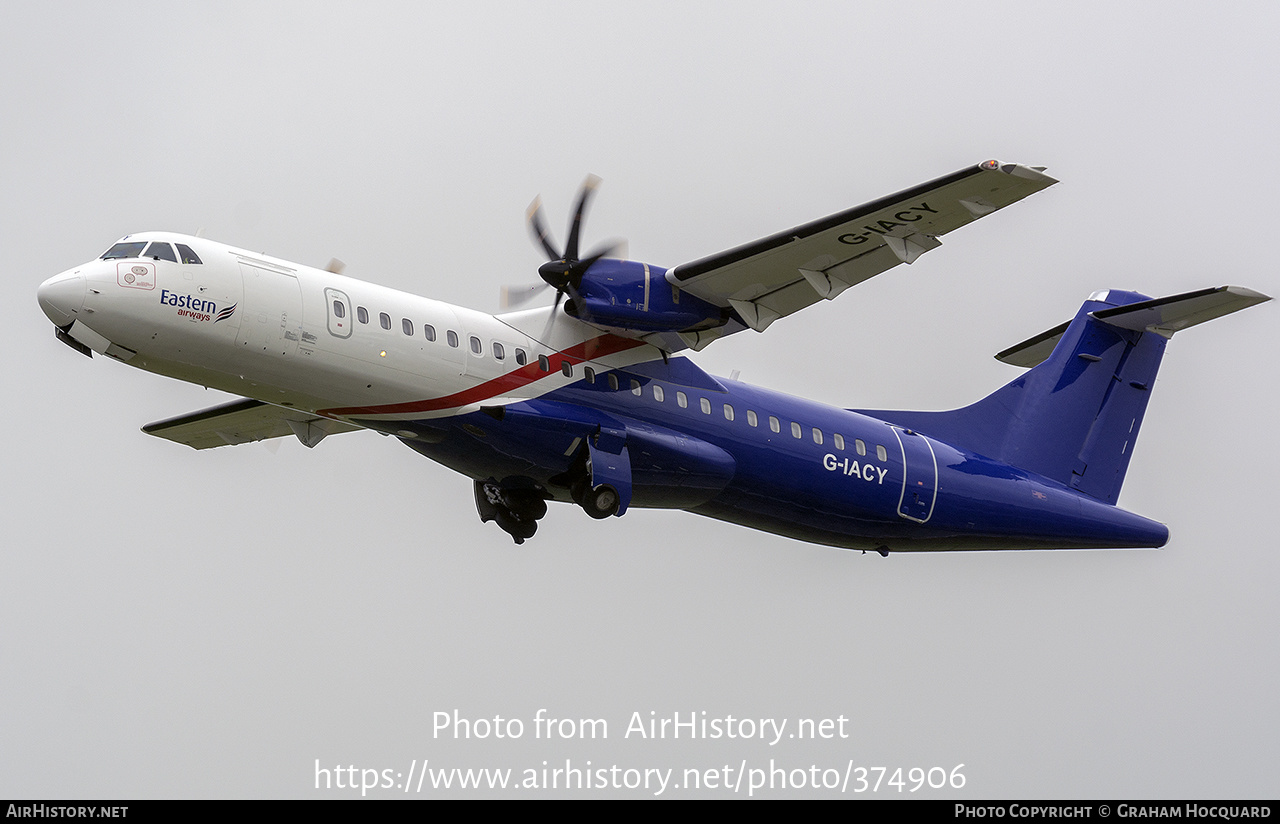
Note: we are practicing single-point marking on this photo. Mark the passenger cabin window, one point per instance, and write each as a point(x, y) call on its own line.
point(839, 440)
point(475, 345)
point(452, 337)
point(385, 320)
point(428, 331)
point(588, 374)
point(499, 353)
point(566, 368)
point(658, 394)
point(882, 453)
point(796, 431)
point(185, 253)
point(705, 405)
point(859, 446)
point(682, 400)
point(543, 363)
point(130, 249)
point(161, 251)
point(728, 412)
point(613, 381)
point(774, 424)
point(752, 418)
point(521, 357)
point(406, 326)
point(635, 388)
point(362, 314)
point(817, 435)
point(339, 311)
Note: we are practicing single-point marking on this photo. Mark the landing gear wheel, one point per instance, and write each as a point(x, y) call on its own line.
point(516, 510)
point(601, 501)
point(517, 528)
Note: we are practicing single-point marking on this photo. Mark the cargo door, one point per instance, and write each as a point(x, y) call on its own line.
point(272, 319)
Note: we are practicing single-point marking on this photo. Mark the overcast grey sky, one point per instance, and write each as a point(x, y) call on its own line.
point(185, 624)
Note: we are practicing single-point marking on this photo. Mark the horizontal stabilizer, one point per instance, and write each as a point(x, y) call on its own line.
point(1164, 316)
point(244, 421)
point(1034, 350)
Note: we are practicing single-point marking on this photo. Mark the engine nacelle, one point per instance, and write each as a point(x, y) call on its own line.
point(627, 294)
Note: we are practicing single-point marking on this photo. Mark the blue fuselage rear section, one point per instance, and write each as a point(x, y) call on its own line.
point(774, 462)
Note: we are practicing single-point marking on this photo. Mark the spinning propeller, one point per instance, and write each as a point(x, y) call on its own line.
point(563, 271)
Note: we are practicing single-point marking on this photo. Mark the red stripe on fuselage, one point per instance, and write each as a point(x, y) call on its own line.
point(587, 350)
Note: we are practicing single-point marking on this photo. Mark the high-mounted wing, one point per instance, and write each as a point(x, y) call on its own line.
point(244, 421)
point(782, 274)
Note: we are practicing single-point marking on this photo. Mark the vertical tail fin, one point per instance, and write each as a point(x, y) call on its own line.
point(1074, 418)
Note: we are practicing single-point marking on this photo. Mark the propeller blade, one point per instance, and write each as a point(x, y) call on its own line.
point(513, 296)
point(579, 268)
point(564, 272)
point(551, 321)
point(614, 247)
point(584, 197)
point(538, 225)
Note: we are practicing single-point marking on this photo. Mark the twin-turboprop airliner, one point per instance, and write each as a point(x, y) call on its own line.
point(593, 401)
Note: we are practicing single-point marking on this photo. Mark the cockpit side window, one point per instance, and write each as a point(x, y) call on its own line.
point(128, 249)
point(160, 251)
point(185, 253)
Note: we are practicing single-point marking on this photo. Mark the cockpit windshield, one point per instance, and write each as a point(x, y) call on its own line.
point(124, 250)
point(158, 250)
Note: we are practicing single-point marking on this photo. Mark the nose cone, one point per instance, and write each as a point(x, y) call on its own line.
point(61, 297)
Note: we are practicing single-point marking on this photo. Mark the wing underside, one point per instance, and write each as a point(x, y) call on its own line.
point(784, 273)
point(245, 421)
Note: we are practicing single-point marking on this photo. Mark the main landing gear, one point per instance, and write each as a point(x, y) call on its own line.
point(599, 481)
point(599, 501)
point(516, 510)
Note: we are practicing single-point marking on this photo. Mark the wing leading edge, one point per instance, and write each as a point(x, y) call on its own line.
point(786, 272)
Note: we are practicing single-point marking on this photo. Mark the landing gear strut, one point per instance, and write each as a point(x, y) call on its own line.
point(516, 510)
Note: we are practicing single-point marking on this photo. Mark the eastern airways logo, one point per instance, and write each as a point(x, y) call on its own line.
point(194, 308)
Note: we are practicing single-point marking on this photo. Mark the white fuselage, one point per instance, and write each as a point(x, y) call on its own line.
point(302, 337)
